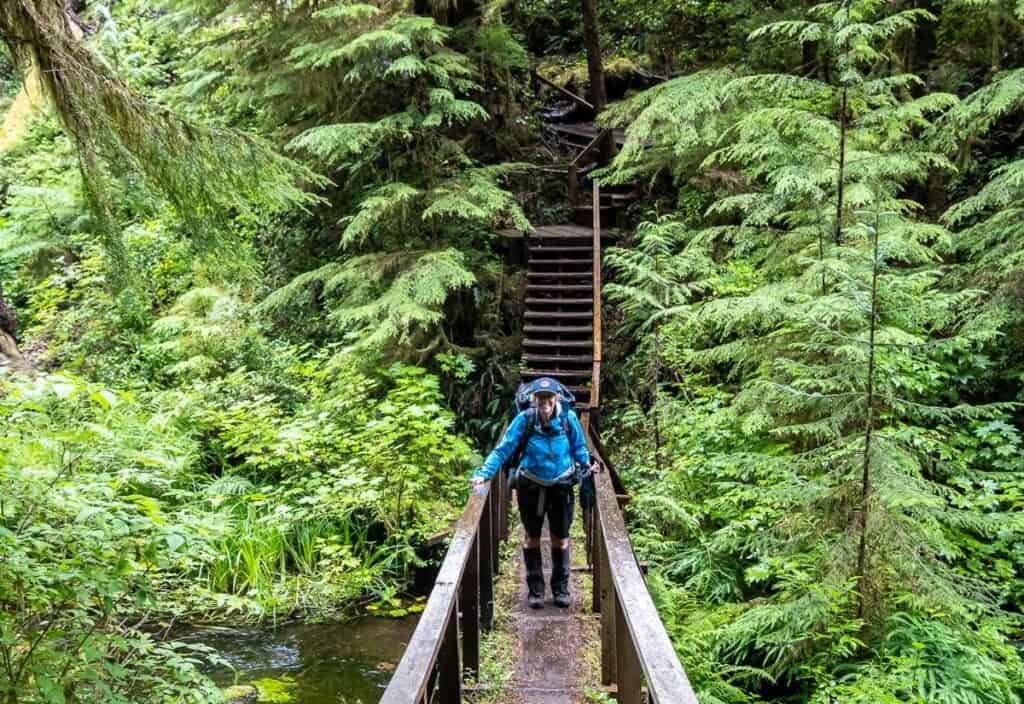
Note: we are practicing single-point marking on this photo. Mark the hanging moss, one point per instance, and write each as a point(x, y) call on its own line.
point(120, 134)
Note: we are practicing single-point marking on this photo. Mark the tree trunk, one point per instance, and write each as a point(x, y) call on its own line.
point(843, 124)
point(10, 355)
point(842, 169)
point(865, 485)
point(595, 71)
point(923, 49)
point(809, 59)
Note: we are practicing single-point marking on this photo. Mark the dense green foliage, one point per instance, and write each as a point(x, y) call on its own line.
point(830, 311)
point(255, 261)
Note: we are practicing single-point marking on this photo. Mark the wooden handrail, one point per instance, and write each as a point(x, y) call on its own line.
point(590, 145)
point(463, 595)
point(567, 93)
point(634, 643)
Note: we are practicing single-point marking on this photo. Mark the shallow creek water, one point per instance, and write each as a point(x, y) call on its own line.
point(306, 663)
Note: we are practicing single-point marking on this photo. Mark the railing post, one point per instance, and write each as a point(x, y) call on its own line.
point(628, 664)
point(595, 559)
point(492, 504)
point(450, 674)
point(485, 540)
point(428, 693)
point(469, 599)
point(609, 608)
point(503, 505)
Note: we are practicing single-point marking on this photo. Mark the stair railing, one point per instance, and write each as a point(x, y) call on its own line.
point(573, 170)
point(595, 377)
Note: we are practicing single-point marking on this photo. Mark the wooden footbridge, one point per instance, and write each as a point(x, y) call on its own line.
point(561, 339)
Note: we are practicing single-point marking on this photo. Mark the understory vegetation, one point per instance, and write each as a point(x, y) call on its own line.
point(251, 254)
point(824, 436)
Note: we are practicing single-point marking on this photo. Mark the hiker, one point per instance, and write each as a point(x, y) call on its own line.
point(552, 444)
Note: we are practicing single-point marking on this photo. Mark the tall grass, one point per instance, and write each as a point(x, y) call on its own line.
point(260, 557)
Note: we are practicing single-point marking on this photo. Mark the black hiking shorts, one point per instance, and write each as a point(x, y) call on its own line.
point(535, 502)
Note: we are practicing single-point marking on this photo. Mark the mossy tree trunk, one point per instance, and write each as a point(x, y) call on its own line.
point(595, 70)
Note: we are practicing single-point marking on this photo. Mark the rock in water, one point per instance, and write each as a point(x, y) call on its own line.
point(240, 694)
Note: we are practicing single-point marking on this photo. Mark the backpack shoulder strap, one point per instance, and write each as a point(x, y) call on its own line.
point(530, 417)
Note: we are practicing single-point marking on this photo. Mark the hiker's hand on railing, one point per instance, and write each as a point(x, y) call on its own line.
point(595, 467)
point(477, 481)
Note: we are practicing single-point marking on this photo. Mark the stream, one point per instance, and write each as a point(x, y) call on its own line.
point(312, 663)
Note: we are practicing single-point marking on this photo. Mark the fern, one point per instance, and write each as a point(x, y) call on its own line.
point(820, 488)
point(380, 300)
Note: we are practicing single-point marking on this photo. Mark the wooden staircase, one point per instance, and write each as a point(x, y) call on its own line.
point(560, 327)
point(562, 322)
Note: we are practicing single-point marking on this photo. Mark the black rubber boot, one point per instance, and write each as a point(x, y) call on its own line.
point(534, 577)
point(560, 576)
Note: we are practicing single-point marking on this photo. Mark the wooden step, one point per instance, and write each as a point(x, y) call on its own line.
point(558, 315)
point(565, 228)
point(552, 248)
point(562, 358)
point(581, 260)
point(559, 287)
point(559, 329)
point(617, 198)
point(631, 187)
point(567, 231)
point(560, 275)
point(559, 301)
point(555, 373)
point(565, 236)
point(534, 342)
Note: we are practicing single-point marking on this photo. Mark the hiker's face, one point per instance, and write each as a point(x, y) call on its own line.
point(546, 407)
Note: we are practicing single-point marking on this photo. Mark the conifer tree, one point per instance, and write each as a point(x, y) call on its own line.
point(653, 283)
point(842, 352)
point(385, 106)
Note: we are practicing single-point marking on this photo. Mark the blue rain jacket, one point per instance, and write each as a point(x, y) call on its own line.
point(548, 455)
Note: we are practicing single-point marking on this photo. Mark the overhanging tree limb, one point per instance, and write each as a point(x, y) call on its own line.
point(208, 174)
